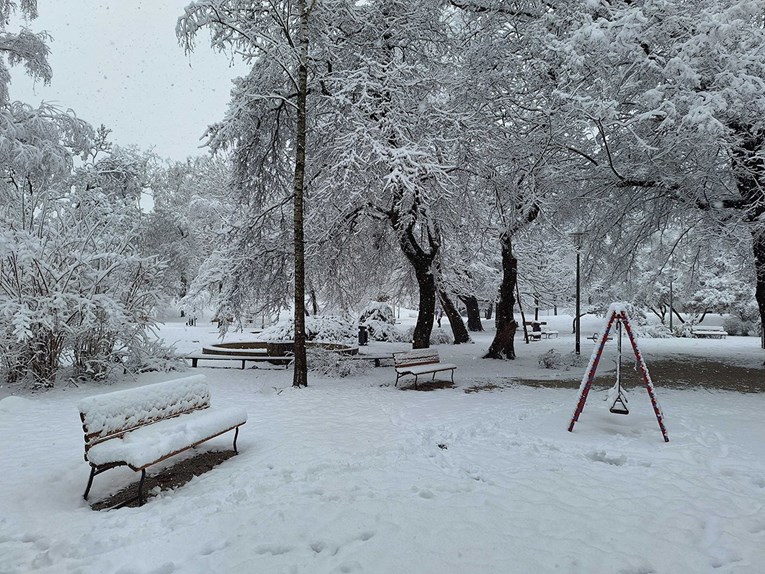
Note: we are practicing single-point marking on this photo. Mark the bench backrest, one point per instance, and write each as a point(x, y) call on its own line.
point(111, 415)
point(708, 328)
point(418, 357)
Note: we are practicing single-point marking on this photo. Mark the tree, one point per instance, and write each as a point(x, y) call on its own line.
point(275, 41)
point(670, 101)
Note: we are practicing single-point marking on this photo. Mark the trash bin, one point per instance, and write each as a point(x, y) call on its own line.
point(363, 335)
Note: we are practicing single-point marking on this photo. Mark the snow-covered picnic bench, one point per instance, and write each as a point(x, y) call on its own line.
point(274, 360)
point(143, 426)
point(420, 362)
point(539, 330)
point(713, 331)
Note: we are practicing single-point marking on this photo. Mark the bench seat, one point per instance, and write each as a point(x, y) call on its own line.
point(150, 444)
point(425, 369)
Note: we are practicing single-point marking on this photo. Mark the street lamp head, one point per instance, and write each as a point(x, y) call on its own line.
point(577, 237)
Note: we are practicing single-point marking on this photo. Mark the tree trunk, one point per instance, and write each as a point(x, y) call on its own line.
point(300, 374)
point(473, 313)
point(489, 311)
point(427, 287)
point(748, 166)
point(503, 345)
point(455, 320)
point(758, 247)
point(422, 261)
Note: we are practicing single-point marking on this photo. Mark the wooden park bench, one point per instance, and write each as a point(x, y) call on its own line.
point(539, 330)
point(286, 361)
point(712, 331)
point(420, 362)
point(143, 426)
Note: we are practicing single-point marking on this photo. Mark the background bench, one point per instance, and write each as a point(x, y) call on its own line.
point(540, 331)
point(276, 360)
point(143, 426)
point(712, 331)
point(420, 362)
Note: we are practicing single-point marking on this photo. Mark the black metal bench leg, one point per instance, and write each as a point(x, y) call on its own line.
point(90, 482)
point(236, 435)
point(140, 487)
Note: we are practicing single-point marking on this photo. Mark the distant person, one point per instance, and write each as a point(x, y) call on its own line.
point(439, 314)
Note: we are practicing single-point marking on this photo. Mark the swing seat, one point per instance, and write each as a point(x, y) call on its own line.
point(620, 406)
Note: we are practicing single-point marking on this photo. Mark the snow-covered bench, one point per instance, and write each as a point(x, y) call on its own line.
point(143, 426)
point(714, 331)
point(420, 362)
point(196, 357)
point(549, 333)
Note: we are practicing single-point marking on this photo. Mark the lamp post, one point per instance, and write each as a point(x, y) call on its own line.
point(576, 237)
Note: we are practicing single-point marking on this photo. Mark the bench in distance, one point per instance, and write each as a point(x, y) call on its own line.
point(420, 362)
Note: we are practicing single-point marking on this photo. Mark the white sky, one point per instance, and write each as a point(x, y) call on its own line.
point(117, 62)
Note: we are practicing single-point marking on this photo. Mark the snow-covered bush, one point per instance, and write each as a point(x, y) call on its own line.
point(378, 311)
point(653, 331)
point(380, 321)
point(552, 359)
point(437, 337)
point(317, 328)
point(334, 364)
point(145, 354)
point(734, 326)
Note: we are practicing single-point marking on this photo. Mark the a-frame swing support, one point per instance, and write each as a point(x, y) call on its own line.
point(617, 313)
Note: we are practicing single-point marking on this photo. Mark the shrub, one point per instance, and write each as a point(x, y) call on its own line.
point(552, 359)
point(317, 328)
point(334, 364)
point(733, 325)
point(653, 331)
point(437, 336)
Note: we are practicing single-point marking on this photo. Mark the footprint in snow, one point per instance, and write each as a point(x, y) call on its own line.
point(602, 456)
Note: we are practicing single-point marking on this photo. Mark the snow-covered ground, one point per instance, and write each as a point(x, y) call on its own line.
point(356, 475)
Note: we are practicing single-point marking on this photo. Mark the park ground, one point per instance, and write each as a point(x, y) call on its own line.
point(356, 475)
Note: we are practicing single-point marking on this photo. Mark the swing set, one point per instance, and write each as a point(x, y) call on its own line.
point(617, 397)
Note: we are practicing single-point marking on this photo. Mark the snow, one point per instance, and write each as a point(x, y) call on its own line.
point(356, 475)
point(106, 413)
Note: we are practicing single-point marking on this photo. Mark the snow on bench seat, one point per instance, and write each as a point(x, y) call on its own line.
point(420, 362)
point(145, 425)
point(149, 444)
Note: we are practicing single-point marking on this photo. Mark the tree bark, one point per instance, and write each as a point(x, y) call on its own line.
point(300, 373)
point(473, 313)
point(748, 166)
point(455, 320)
point(758, 247)
point(503, 345)
point(427, 287)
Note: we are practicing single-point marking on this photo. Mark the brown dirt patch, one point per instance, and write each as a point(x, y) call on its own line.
point(677, 374)
point(428, 386)
point(166, 479)
point(484, 387)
